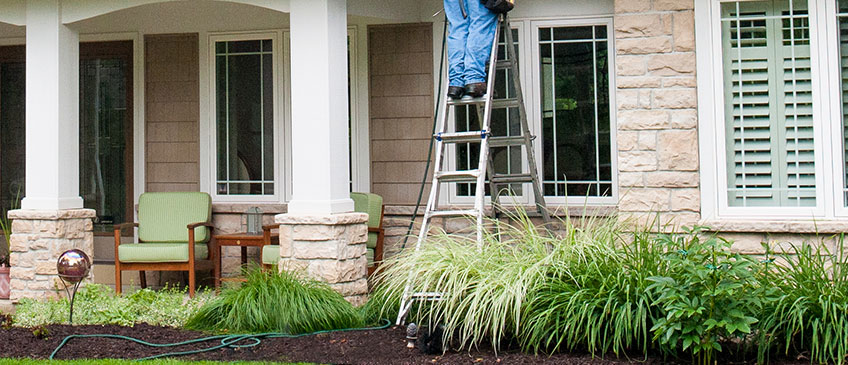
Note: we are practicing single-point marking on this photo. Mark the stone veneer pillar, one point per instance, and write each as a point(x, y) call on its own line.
point(657, 103)
point(38, 238)
point(329, 248)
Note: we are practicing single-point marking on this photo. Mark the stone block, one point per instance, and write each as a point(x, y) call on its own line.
point(673, 64)
point(649, 45)
point(679, 81)
point(632, 161)
point(647, 141)
point(357, 300)
point(630, 179)
point(746, 243)
point(678, 150)
point(645, 200)
point(643, 119)
point(638, 25)
point(630, 65)
point(22, 226)
point(632, 6)
point(316, 249)
point(302, 232)
point(356, 233)
point(21, 259)
point(352, 251)
point(684, 118)
point(22, 273)
point(675, 99)
point(688, 199)
point(627, 140)
point(672, 5)
point(672, 179)
point(357, 287)
point(684, 31)
point(635, 82)
point(19, 243)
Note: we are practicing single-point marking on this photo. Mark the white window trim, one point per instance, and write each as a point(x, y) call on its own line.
point(711, 122)
point(208, 152)
point(528, 37)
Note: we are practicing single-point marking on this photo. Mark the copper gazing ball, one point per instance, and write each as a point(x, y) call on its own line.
point(73, 265)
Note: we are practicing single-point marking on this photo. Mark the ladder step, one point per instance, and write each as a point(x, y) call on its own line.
point(511, 178)
point(427, 296)
point(453, 213)
point(461, 137)
point(503, 64)
point(496, 103)
point(458, 176)
point(508, 141)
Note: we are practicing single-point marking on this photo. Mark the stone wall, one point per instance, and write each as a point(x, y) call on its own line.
point(657, 116)
point(38, 238)
point(327, 248)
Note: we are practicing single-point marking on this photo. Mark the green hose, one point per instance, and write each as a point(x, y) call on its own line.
point(230, 341)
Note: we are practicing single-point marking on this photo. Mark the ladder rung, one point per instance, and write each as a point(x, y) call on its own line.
point(502, 64)
point(496, 103)
point(427, 296)
point(453, 213)
point(461, 137)
point(511, 178)
point(458, 176)
point(507, 141)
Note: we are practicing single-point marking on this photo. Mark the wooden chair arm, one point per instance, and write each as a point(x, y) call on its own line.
point(266, 233)
point(200, 224)
point(375, 229)
point(120, 227)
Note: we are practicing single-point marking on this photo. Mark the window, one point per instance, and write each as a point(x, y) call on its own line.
point(13, 120)
point(106, 179)
point(773, 72)
point(566, 74)
point(768, 104)
point(245, 116)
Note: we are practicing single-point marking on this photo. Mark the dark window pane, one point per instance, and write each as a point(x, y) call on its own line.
point(572, 33)
point(13, 133)
point(243, 46)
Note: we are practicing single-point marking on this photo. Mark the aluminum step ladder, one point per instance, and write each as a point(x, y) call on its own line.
point(484, 170)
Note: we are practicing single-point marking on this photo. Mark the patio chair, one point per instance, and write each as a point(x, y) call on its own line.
point(168, 224)
point(363, 203)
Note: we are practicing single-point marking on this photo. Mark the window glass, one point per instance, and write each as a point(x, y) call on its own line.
point(245, 117)
point(104, 133)
point(576, 147)
point(768, 103)
point(12, 135)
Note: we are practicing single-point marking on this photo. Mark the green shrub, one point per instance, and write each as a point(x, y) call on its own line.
point(485, 288)
point(276, 302)
point(709, 295)
point(98, 304)
point(598, 302)
point(810, 312)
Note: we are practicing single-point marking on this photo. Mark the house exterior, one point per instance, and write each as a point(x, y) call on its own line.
point(723, 113)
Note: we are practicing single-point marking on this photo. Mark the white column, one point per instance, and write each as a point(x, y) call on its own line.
point(319, 95)
point(52, 105)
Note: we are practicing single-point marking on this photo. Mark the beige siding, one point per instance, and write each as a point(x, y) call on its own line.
point(172, 151)
point(401, 108)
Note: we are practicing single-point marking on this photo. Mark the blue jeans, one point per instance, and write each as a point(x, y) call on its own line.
point(469, 41)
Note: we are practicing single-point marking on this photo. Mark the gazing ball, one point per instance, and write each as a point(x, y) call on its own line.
point(73, 265)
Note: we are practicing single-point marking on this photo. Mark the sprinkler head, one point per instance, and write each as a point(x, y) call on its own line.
point(73, 265)
point(411, 335)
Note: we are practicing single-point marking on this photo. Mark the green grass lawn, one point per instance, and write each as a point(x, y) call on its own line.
point(126, 362)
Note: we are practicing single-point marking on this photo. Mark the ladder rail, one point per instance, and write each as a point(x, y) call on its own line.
point(483, 161)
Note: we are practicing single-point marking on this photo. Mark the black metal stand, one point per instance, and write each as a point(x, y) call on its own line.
point(71, 297)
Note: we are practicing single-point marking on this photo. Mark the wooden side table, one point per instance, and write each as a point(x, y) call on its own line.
point(242, 240)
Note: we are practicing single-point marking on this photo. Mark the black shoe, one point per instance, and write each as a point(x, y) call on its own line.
point(455, 92)
point(476, 89)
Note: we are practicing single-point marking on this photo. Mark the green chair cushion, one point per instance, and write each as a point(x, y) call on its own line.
point(371, 204)
point(160, 252)
point(370, 255)
point(372, 240)
point(271, 254)
point(163, 217)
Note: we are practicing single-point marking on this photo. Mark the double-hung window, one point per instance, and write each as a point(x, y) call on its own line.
point(566, 74)
point(771, 89)
point(245, 116)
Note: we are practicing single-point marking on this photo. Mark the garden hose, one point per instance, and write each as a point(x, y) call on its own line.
point(227, 341)
point(430, 149)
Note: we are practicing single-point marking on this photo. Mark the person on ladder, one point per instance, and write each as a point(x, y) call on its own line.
point(471, 32)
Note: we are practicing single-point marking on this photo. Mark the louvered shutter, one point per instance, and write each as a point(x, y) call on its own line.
point(768, 104)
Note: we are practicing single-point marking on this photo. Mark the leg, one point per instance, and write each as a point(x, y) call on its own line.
point(457, 40)
point(117, 278)
point(481, 34)
point(142, 277)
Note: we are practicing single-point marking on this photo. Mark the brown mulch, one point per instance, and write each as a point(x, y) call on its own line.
point(358, 347)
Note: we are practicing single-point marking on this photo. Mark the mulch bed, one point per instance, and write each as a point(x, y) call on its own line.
point(360, 347)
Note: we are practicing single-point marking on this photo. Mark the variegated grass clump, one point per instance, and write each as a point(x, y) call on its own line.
point(485, 289)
